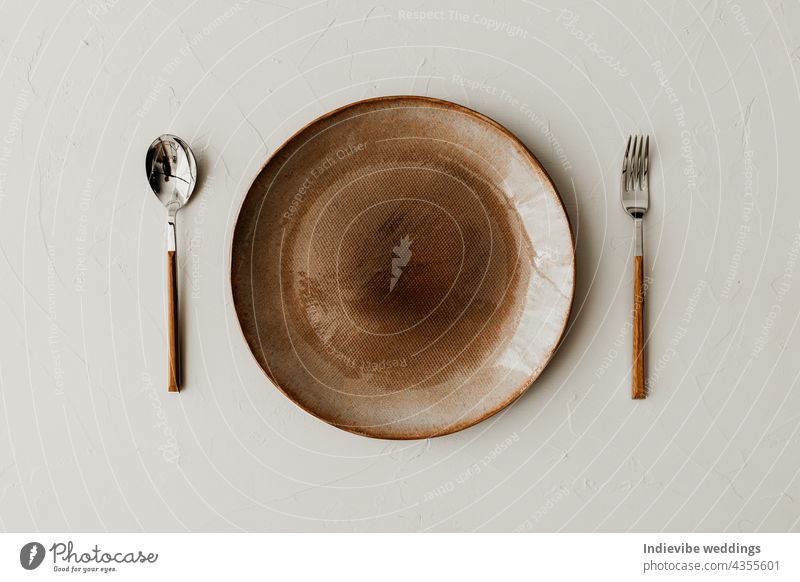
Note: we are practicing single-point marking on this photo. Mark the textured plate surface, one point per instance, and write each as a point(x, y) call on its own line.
point(402, 268)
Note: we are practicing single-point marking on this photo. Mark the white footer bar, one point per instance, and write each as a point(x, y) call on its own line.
point(401, 557)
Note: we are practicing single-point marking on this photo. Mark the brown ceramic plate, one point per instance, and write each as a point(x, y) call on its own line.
point(402, 268)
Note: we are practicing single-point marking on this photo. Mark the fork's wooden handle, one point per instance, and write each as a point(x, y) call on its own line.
point(638, 329)
point(172, 324)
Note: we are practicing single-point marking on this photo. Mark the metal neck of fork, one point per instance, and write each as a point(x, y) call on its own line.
point(638, 242)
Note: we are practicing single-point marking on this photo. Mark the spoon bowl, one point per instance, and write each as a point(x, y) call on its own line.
point(171, 171)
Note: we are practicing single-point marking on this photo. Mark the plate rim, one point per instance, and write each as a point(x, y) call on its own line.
point(535, 164)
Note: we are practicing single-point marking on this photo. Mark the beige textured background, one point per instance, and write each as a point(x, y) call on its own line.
point(90, 440)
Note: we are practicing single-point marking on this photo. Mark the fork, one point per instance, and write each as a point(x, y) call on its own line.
point(635, 194)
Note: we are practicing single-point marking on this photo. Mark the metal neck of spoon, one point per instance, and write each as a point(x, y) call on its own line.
point(172, 239)
point(172, 243)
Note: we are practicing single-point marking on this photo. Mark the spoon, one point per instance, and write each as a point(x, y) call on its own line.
point(172, 173)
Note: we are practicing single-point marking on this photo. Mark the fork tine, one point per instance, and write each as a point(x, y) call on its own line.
point(634, 166)
point(646, 161)
point(640, 164)
point(626, 164)
point(629, 163)
point(626, 159)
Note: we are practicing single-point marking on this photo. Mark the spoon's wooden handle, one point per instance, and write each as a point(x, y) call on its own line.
point(172, 324)
point(638, 386)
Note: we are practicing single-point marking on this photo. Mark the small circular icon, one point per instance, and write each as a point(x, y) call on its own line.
point(31, 555)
